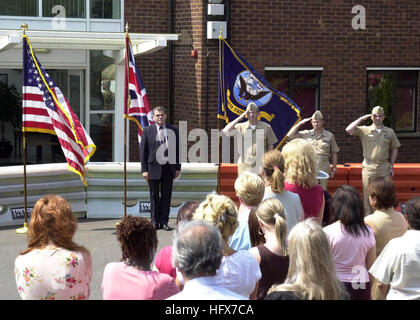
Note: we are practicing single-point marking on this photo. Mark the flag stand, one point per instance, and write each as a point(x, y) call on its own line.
point(125, 134)
point(24, 229)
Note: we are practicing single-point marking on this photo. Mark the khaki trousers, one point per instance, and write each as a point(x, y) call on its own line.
point(370, 171)
point(324, 166)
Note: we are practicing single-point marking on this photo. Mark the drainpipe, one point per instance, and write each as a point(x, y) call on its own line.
point(170, 64)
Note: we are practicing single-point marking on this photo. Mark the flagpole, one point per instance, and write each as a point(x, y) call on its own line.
point(125, 128)
point(218, 120)
point(24, 229)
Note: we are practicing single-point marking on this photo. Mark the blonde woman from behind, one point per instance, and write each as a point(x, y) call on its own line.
point(249, 189)
point(301, 173)
point(311, 274)
point(271, 256)
point(239, 271)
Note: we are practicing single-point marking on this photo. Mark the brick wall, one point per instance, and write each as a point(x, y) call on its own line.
point(319, 33)
point(282, 34)
point(149, 17)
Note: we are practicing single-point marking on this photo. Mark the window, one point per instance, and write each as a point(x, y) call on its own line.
point(99, 9)
point(40, 147)
point(27, 8)
point(396, 92)
point(105, 9)
point(102, 103)
point(72, 8)
point(303, 87)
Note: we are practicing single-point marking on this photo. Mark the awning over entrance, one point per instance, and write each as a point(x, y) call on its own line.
point(141, 42)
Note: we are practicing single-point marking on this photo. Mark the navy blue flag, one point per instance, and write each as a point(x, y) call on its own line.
point(240, 84)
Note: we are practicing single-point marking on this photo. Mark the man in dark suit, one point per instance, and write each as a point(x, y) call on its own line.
point(160, 165)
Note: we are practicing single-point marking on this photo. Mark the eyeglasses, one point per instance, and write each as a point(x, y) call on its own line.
point(160, 115)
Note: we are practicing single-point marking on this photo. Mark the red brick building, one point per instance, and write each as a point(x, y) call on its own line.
point(311, 50)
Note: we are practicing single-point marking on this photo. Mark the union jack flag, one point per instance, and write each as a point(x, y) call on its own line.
point(46, 110)
point(137, 106)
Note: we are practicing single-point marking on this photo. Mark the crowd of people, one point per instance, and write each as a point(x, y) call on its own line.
point(217, 255)
point(276, 245)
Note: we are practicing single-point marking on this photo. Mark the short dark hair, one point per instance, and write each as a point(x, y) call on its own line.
point(347, 206)
point(187, 210)
point(159, 108)
point(383, 190)
point(138, 241)
point(412, 211)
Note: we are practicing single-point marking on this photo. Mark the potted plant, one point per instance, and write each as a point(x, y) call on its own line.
point(10, 111)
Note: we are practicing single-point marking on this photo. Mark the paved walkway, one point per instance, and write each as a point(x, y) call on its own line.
point(99, 236)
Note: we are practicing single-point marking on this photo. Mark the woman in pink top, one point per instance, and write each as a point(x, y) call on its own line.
point(132, 279)
point(352, 242)
point(301, 172)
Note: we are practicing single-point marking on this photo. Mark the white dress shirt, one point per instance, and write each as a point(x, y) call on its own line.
point(205, 288)
point(398, 265)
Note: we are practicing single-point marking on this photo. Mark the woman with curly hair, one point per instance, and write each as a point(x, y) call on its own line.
point(239, 271)
point(53, 267)
point(301, 172)
point(132, 278)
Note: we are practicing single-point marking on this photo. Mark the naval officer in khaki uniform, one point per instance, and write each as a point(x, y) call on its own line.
point(323, 142)
point(247, 160)
point(380, 149)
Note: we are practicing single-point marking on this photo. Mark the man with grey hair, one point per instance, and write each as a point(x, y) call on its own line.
point(197, 254)
point(323, 141)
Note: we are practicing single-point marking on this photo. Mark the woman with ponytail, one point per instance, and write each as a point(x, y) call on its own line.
point(271, 256)
point(273, 174)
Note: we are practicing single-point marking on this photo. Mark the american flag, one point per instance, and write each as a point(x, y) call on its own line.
point(137, 107)
point(46, 110)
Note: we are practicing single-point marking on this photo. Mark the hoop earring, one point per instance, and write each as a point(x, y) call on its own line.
point(260, 232)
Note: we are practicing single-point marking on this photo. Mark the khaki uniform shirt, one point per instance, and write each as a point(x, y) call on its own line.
point(324, 145)
point(249, 156)
point(389, 224)
point(376, 145)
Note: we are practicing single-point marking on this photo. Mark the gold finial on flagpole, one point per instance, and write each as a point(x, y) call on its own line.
point(24, 229)
point(126, 27)
point(221, 33)
point(24, 27)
